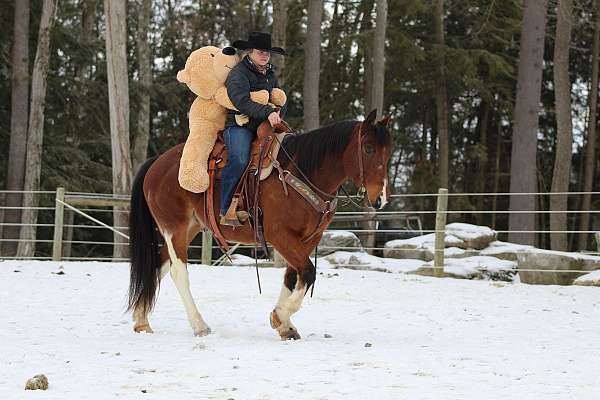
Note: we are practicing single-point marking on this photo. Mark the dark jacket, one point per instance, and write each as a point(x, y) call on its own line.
point(243, 79)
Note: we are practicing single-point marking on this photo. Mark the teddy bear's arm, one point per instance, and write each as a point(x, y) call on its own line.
point(223, 99)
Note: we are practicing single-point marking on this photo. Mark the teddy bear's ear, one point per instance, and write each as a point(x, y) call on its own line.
point(183, 76)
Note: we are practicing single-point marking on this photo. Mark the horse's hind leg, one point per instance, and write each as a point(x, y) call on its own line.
point(294, 288)
point(177, 244)
point(140, 315)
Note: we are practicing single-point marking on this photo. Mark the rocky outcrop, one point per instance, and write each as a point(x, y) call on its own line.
point(333, 241)
point(545, 267)
point(472, 236)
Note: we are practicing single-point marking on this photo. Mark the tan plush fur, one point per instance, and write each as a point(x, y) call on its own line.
point(205, 72)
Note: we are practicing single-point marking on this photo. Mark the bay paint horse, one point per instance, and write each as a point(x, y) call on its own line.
point(162, 211)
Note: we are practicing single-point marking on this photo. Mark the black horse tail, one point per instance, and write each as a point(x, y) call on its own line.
point(143, 247)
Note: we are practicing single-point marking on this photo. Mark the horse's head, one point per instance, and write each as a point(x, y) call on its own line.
point(367, 157)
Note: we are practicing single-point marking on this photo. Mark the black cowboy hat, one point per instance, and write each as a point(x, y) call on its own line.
point(260, 41)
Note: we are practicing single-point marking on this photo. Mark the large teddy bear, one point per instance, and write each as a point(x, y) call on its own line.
point(205, 72)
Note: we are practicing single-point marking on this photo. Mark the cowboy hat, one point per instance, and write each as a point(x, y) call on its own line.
point(260, 41)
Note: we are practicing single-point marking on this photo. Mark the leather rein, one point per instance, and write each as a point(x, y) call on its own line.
point(304, 189)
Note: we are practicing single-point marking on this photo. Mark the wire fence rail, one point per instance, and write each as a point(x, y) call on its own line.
point(369, 226)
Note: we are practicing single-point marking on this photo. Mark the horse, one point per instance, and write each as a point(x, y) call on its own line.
point(162, 211)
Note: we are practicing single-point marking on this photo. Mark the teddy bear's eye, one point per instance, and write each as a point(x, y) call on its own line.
point(212, 55)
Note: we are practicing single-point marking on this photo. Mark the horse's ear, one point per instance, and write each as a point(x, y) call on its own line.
point(370, 118)
point(384, 121)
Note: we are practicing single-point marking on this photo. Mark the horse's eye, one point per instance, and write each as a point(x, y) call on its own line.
point(369, 149)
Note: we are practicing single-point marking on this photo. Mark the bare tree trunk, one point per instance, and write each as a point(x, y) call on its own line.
point(377, 96)
point(564, 133)
point(312, 65)
point(365, 43)
point(35, 134)
point(527, 107)
point(482, 159)
point(441, 97)
point(140, 140)
point(82, 73)
point(118, 99)
point(280, 8)
point(590, 146)
point(18, 124)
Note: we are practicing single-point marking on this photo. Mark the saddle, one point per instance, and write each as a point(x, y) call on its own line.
point(264, 141)
point(263, 158)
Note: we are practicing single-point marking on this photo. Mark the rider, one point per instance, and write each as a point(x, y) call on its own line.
point(253, 73)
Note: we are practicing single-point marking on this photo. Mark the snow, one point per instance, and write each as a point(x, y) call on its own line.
point(364, 261)
point(498, 246)
point(430, 338)
point(468, 231)
point(424, 241)
point(591, 279)
point(341, 234)
point(470, 266)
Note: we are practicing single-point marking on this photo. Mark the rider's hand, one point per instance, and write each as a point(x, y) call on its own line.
point(274, 118)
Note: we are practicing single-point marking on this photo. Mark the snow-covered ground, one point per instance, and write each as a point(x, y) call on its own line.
point(429, 338)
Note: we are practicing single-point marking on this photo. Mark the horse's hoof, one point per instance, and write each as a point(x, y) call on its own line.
point(290, 334)
point(202, 332)
point(143, 328)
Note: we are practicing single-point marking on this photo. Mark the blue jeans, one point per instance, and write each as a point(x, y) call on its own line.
point(237, 141)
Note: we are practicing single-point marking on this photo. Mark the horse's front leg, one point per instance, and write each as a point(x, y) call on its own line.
point(296, 283)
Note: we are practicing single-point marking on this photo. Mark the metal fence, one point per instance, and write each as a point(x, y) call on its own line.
point(78, 226)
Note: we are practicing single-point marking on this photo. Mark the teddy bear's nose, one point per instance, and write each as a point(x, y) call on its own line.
point(229, 51)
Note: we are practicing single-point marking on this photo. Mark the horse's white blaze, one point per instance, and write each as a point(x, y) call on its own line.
point(181, 278)
point(384, 195)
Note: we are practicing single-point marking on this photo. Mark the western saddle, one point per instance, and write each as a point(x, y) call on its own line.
point(263, 158)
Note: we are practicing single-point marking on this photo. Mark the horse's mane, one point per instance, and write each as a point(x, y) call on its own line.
point(310, 148)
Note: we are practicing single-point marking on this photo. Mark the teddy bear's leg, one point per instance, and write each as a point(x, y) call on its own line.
point(193, 168)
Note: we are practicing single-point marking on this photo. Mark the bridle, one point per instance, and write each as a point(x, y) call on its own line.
point(347, 198)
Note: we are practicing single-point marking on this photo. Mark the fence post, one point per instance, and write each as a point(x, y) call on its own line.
point(59, 210)
point(597, 235)
point(207, 238)
point(278, 260)
point(440, 228)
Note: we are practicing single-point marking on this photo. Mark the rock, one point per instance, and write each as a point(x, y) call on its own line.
point(327, 336)
point(37, 382)
point(368, 344)
point(240, 260)
point(544, 262)
point(356, 261)
point(419, 247)
point(591, 279)
point(473, 236)
point(505, 250)
point(477, 267)
point(338, 240)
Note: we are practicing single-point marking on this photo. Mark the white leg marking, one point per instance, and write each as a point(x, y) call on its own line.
point(180, 276)
point(289, 302)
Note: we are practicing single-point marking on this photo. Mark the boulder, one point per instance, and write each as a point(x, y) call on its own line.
point(538, 266)
point(333, 241)
point(477, 267)
point(591, 279)
point(38, 382)
point(418, 247)
point(473, 236)
point(505, 250)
